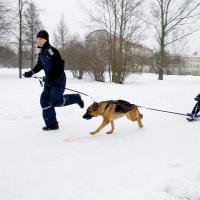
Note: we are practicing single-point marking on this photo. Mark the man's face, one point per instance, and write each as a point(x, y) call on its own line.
point(40, 41)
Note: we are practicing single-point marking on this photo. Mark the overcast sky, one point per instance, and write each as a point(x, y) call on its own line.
point(76, 20)
point(75, 16)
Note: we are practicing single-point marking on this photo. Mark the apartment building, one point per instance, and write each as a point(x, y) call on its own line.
point(191, 65)
point(101, 39)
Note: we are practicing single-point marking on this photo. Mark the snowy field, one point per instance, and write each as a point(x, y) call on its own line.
point(159, 162)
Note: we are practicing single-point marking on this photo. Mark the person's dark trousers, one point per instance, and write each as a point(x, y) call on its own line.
point(196, 109)
point(51, 97)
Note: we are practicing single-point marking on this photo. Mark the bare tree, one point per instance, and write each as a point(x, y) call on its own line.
point(76, 57)
point(97, 62)
point(173, 63)
point(169, 16)
point(8, 57)
point(32, 24)
point(119, 19)
point(137, 62)
point(21, 31)
point(5, 20)
point(61, 36)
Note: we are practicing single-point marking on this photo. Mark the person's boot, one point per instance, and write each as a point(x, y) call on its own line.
point(51, 127)
point(80, 102)
point(192, 117)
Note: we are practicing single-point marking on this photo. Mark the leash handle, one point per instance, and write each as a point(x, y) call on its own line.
point(40, 79)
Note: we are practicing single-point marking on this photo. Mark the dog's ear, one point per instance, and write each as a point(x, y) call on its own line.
point(95, 106)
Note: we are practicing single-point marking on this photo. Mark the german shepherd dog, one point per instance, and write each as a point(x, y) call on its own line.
point(111, 110)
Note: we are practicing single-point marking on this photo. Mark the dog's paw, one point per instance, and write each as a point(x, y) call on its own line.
point(141, 125)
point(109, 132)
point(92, 133)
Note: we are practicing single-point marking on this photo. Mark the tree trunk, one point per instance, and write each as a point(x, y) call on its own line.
point(162, 44)
point(32, 49)
point(20, 39)
point(162, 63)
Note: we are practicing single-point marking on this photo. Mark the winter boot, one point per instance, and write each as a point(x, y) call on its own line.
point(51, 127)
point(192, 117)
point(80, 101)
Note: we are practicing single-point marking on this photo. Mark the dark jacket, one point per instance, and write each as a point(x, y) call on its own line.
point(50, 61)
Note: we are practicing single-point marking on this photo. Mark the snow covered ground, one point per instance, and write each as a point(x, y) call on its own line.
point(159, 162)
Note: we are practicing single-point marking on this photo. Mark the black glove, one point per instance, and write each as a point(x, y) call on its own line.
point(28, 74)
point(197, 98)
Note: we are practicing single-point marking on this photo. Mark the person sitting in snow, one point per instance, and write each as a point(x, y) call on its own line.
point(196, 108)
point(49, 59)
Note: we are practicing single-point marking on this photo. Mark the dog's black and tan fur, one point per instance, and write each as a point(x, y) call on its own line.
point(111, 110)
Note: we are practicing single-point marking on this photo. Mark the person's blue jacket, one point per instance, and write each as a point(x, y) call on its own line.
point(50, 61)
